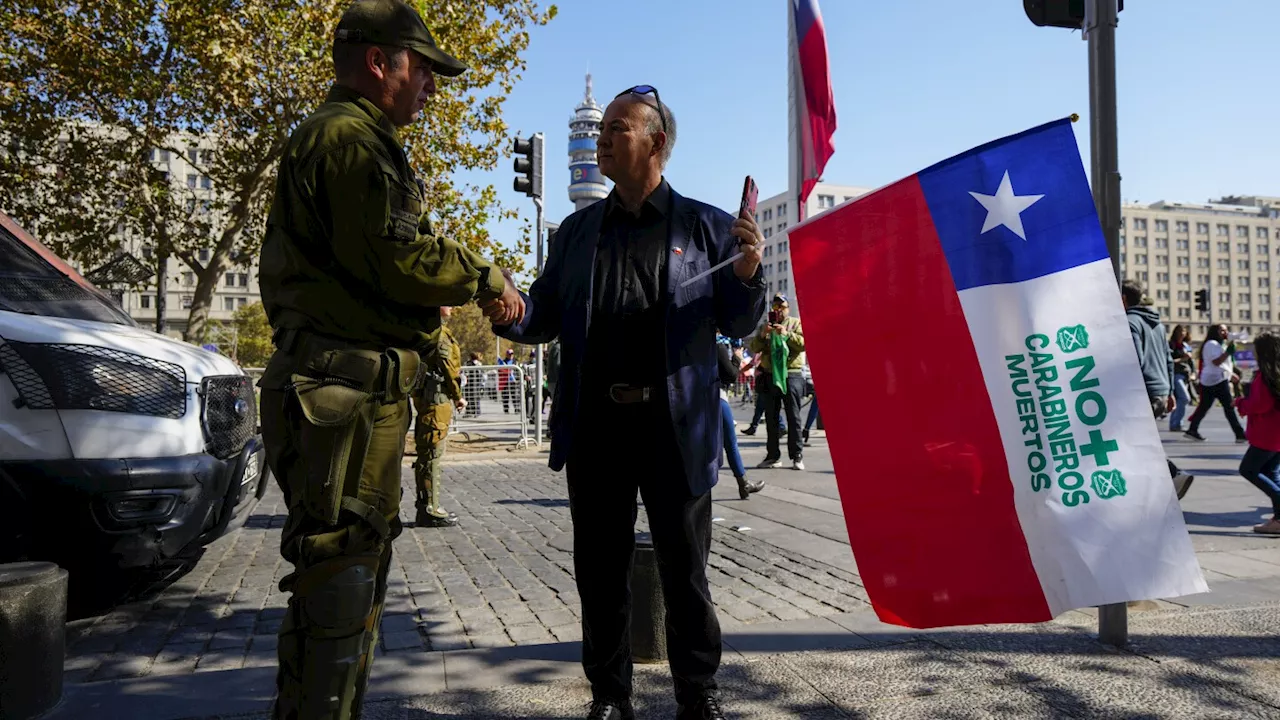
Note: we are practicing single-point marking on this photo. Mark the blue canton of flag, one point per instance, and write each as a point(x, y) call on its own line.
point(1015, 209)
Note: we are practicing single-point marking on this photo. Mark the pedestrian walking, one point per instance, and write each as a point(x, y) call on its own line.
point(1155, 359)
point(433, 402)
point(729, 364)
point(614, 279)
point(1183, 370)
point(352, 277)
point(780, 343)
point(509, 383)
point(1261, 463)
point(1217, 369)
point(809, 421)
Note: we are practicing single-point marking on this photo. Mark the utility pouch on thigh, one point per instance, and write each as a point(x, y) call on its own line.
point(336, 438)
point(404, 374)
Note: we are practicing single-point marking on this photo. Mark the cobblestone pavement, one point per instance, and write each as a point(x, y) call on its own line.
point(503, 577)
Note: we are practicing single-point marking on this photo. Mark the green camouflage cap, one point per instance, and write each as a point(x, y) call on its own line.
point(394, 23)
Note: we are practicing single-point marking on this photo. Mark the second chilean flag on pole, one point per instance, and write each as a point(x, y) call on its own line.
point(992, 438)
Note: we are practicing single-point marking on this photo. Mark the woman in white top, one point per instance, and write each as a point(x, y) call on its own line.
point(1216, 369)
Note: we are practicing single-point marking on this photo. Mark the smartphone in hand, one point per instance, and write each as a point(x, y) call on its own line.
point(749, 195)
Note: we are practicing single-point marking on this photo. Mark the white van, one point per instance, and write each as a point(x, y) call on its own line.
point(116, 443)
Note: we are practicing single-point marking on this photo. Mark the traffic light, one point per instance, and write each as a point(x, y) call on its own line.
point(1059, 13)
point(529, 167)
point(1202, 300)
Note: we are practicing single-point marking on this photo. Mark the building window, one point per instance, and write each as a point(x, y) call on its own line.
point(244, 280)
point(1242, 231)
point(146, 302)
point(1162, 277)
point(1139, 224)
point(1162, 226)
point(1264, 315)
point(1246, 315)
point(1184, 278)
point(1184, 294)
point(148, 252)
point(1242, 264)
point(186, 301)
point(1162, 259)
point(193, 155)
point(228, 303)
point(1184, 244)
point(1184, 262)
point(1224, 297)
point(1202, 262)
point(1262, 282)
point(1143, 276)
point(782, 211)
point(204, 255)
point(1162, 242)
point(1202, 279)
point(1262, 233)
point(826, 201)
point(1264, 250)
point(768, 232)
point(206, 182)
point(1202, 245)
point(768, 214)
point(1242, 248)
point(1182, 226)
point(1140, 241)
point(191, 180)
point(1264, 299)
point(1263, 266)
point(1224, 247)
point(241, 302)
point(1162, 294)
point(1223, 230)
point(188, 279)
point(1224, 279)
point(1202, 228)
point(1139, 259)
point(1223, 263)
point(1184, 312)
point(1164, 311)
point(1243, 298)
point(1242, 281)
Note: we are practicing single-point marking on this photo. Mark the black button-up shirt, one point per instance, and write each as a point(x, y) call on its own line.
point(627, 342)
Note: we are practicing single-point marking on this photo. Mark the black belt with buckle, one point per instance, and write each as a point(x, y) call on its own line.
point(624, 394)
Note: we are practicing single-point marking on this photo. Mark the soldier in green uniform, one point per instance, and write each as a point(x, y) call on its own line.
point(434, 401)
point(352, 277)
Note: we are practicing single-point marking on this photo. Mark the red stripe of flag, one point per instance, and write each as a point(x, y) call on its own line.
point(923, 477)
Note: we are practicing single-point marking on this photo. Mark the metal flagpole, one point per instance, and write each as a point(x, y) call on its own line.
point(795, 183)
point(1100, 28)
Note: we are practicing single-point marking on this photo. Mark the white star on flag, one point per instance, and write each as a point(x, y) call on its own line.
point(1005, 208)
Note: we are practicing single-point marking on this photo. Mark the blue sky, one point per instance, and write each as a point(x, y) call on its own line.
point(915, 82)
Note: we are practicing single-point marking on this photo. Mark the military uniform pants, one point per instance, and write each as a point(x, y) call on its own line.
point(340, 571)
point(429, 433)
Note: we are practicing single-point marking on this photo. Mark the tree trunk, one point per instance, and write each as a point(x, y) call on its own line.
point(162, 282)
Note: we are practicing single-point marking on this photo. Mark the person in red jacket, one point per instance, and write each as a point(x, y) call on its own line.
point(1261, 462)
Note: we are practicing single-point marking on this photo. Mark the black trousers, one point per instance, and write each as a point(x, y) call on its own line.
point(1222, 393)
point(605, 470)
point(777, 401)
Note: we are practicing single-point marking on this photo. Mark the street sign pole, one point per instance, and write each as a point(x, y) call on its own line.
point(537, 378)
point(1100, 26)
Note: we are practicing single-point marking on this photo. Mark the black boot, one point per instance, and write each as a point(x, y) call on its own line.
point(706, 707)
point(746, 488)
point(426, 519)
point(609, 710)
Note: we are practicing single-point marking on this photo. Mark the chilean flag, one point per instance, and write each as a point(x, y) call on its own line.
point(993, 442)
point(814, 103)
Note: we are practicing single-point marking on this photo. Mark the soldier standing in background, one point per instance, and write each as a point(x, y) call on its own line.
point(352, 277)
point(434, 401)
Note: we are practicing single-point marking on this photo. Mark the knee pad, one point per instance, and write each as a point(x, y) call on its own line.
point(340, 601)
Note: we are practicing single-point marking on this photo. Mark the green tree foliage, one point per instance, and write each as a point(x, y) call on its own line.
point(90, 91)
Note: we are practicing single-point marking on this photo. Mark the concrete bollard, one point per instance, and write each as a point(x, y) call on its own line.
point(33, 614)
point(648, 610)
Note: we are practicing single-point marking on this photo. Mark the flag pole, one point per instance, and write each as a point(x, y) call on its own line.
point(795, 184)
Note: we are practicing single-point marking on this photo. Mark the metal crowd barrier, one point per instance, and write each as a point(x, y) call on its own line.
point(498, 396)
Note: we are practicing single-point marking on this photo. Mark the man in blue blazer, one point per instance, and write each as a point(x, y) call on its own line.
point(638, 397)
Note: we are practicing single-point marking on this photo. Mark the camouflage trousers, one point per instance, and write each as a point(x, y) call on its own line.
point(434, 413)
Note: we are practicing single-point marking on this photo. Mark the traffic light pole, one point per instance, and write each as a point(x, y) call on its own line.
point(1113, 620)
point(538, 366)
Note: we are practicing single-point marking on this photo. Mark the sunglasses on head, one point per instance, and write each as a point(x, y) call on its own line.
point(645, 90)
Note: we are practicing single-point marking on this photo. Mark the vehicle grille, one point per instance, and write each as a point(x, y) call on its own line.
point(230, 414)
point(57, 376)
